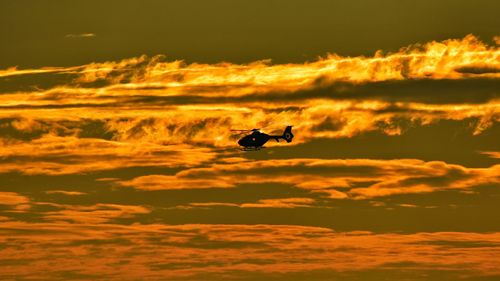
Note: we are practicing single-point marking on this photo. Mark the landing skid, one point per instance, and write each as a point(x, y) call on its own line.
point(252, 148)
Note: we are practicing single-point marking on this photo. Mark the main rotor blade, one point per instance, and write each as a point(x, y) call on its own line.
point(247, 130)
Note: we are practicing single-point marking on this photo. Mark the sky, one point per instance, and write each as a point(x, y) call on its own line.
point(118, 160)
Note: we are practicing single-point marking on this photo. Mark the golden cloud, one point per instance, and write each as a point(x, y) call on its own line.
point(293, 202)
point(54, 155)
point(190, 251)
point(434, 59)
point(17, 203)
point(151, 101)
point(135, 79)
point(65, 192)
point(99, 213)
point(12, 198)
point(336, 178)
point(211, 125)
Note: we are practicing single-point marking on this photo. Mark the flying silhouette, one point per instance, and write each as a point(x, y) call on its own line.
point(256, 139)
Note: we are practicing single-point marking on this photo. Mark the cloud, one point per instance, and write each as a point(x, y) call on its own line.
point(435, 60)
point(431, 60)
point(150, 100)
point(293, 202)
point(187, 252)
point(14, 71)
point(492, 154)
point(162, 182)
point(280, 203)
point(142, 81)
point(12, 198)
point(14, 201)
point(64, 192)
point(496, 39)
point(211, 125)
point(53, 155)
point(99, 213)
point(81, 35)
point(336, 178)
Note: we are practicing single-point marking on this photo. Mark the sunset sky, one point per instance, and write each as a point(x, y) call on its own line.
point(117, 159)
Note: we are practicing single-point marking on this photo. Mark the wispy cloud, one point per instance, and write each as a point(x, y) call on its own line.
point(14, 202)
point(293, 202)
point(94, 214)
point(80, 35)
point(337, 179)
point(150, 100)
point(65, 192)
point(193, 252)
point(12, 198)
point(55, 155)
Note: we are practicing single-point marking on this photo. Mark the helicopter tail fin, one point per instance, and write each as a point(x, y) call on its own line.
point(287, 134)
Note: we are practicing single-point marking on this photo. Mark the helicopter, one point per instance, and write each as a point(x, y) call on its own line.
point(256, 139)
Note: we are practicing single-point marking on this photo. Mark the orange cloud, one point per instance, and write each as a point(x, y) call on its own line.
point(15, 201)
point(195, 251)
point(148, 100)
point(99, 213)
point(55, 155)
point(147, 112)
point(211, 125)
point(81, 35)
point(280, 203)
point(11, 198)
point(492, 154)
point(13, 71)
point(64, 192)
point(132, 80)
point(434, 59)
point(386, 177)
point(497, 40)
point(263, 203)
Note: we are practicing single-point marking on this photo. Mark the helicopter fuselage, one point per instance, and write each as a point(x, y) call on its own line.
point(255, 139)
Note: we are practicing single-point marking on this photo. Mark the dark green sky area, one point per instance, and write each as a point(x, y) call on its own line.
point(34, 33)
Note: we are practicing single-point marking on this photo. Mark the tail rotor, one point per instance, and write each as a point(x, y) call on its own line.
point(287, 134)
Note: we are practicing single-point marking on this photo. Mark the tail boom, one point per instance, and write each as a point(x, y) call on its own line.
point(287, 135)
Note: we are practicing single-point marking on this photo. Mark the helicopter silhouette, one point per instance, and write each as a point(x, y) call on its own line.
point(256, 139)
